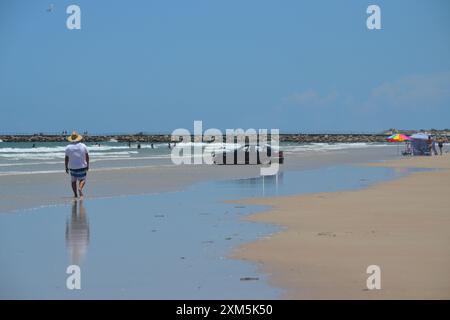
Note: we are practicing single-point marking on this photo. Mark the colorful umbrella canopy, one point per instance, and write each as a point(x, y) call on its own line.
point(398, 138)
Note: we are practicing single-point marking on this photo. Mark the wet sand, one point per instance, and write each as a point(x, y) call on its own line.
point(330, 239)
point(34, 190)
point(118, 241)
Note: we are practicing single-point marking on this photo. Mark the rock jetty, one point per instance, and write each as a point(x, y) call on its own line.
point(158, 138)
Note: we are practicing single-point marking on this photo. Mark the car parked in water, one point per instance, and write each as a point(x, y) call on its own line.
point(249, 154)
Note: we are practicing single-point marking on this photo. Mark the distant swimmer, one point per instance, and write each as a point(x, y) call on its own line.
point(76, 162)
point(34, 145)
point(139, 146)
point(129, 144)
point(152, 146)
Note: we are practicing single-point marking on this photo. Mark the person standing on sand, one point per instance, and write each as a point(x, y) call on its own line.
point(433, 146)
point(77, 162)
point(440, 145)
point(430, 146)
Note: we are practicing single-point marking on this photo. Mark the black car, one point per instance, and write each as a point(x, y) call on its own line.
point(249, 154)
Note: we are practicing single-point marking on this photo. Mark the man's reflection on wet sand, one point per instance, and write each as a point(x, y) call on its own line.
point(77, 233)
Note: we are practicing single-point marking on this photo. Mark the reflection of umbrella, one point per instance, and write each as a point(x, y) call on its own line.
point(398, 138)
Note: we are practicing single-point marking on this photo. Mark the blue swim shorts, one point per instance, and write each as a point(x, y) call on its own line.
point(78, 174)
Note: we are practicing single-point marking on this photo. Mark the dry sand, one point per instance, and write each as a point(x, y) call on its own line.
point(330, 239)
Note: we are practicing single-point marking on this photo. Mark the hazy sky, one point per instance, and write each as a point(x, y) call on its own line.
point(158, 65)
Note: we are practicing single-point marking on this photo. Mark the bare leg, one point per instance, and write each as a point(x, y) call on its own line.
point(74, 188)
point(81, 186)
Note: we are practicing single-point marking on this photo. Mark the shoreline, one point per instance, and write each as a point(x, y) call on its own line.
point(329, 239)
point(27, 191)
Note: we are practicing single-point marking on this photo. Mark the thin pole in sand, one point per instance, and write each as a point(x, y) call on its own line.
point(276, 183)
point(263, 187)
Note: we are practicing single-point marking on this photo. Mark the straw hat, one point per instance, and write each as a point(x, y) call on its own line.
point(74, 137)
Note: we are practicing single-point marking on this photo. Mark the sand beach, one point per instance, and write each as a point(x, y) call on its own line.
point(149, 229)
point(329, 239)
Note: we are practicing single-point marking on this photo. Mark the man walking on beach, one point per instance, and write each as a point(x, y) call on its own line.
point(77, 162)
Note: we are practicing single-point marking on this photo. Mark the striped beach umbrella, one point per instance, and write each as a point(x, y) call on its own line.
point(398, 137)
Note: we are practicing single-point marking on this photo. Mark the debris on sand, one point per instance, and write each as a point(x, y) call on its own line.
point(249, 278)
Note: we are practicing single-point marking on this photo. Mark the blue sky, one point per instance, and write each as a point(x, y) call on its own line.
point(156, 66)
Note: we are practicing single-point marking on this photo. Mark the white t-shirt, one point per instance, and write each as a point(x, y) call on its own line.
point(77, 155)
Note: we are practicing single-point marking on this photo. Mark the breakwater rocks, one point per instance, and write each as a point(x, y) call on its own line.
point(86, 138)
point(333, 138)
point(158, 138)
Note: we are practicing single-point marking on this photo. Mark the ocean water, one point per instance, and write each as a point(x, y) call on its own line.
point(22, 157)
point(169, 245)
